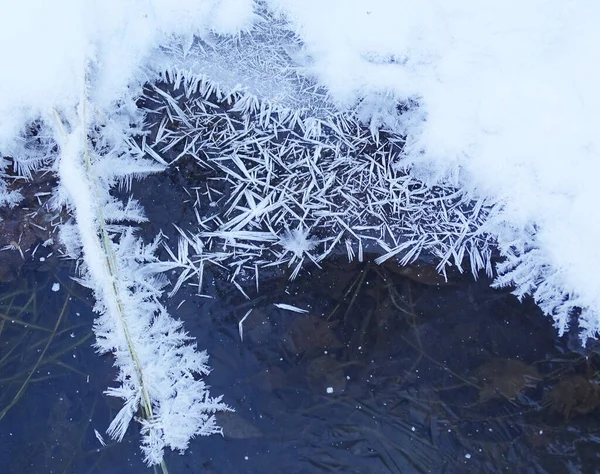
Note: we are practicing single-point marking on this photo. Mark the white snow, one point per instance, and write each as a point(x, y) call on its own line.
point(509, 107)
point(507, 93)
point(47, 46)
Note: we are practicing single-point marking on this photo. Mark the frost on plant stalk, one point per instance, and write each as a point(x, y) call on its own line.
point(160, 370)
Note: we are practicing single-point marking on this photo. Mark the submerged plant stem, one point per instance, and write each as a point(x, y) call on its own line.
point(39, 361)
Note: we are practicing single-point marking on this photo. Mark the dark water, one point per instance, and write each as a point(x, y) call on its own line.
point(388, 372)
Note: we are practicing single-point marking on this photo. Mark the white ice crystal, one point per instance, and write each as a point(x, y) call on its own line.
point(292, 192)
point(297, 242)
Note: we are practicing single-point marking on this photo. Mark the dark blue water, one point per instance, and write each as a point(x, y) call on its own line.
point(384, 375)
point(389, 372)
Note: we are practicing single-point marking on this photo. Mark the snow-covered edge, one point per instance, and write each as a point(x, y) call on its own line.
point(438, 220)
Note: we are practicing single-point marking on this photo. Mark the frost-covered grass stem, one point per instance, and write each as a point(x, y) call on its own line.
point(159, 366)
point(81, 182)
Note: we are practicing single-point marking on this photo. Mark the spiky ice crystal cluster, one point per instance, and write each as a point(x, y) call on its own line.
point(284, 187)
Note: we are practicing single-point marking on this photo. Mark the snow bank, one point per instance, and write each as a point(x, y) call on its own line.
point(48, 49)
point(507, 94)
point(510, 99)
